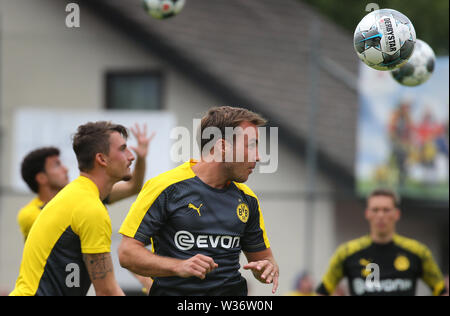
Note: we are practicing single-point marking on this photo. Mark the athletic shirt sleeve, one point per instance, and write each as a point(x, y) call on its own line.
point(147, 214)
point(92, 224)
point(255, 237)
point(334, 273)
point(28, 215)
point(26, 219)
point(432, 275)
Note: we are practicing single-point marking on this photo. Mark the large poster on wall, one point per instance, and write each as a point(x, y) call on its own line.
point(403, 134)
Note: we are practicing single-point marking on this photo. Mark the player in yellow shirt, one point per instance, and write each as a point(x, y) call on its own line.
point(68, 246)
point(45, 175)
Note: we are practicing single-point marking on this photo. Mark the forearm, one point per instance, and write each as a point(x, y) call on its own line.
point(101, 273)
point(271, 259)
point(146, 282)
point(138, 176)
point(143, 262)
point(261, 255)
point(111, 291)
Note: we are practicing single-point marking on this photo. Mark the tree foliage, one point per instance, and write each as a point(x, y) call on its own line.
point(429, 17)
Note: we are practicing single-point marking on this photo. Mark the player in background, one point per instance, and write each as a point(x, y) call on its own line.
point(304, 285)
point(399, 261)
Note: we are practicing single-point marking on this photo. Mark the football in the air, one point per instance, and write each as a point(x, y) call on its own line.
point(163, 9)
point(419, 67)
point(384, 39)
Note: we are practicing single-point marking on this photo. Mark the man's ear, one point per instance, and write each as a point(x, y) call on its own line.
point(41, 178)
point(101, 159)
point(366, 213)
point(220, 145)
point(398, 214)
point(226, 150)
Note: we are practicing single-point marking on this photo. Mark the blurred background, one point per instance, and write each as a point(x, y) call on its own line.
point(291, 60)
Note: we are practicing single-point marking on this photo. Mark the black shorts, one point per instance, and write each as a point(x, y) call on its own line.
point(235, 289)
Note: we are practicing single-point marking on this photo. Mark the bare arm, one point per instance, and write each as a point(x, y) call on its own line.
point(264, 267)
point(146, 282)
point(100, 268)
point(124, 189)
point(135, 257)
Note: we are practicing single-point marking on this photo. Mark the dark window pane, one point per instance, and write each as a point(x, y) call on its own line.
point(133, 91)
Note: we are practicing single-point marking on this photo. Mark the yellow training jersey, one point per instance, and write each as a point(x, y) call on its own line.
point(28, 214)
point(74, 222)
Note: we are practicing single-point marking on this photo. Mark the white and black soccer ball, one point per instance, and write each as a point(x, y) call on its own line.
point(384, 39)
point(163, 9)
point(419, 67)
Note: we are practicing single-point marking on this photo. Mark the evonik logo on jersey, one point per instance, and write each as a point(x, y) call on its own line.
point(185, 240)
point(373, 284)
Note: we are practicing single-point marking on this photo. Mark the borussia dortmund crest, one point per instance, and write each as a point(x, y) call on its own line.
point(243, 212)
point(401, 263)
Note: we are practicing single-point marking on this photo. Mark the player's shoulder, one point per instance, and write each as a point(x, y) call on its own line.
point(81, 185)
point(35, 203)
point(89, 209)
point(249, 195)
point(79, 196)
point(168, 178)
point(34, 206)
point(245, 189)
point(411, 245)
point(353, 246)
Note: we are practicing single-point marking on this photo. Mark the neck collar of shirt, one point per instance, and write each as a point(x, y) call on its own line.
point(378, 244)
point(88, 182)
point(192, 163)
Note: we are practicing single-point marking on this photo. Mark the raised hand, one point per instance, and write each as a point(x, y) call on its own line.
point(143, 141)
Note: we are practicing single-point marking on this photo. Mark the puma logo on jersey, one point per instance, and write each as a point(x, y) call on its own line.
point(192, 206)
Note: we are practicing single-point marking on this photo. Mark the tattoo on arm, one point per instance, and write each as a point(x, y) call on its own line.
point(98, 265)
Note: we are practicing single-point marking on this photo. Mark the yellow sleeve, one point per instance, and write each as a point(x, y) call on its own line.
point(92, 224)
point(254, 227)
point(139, 208)
point(26, 219)
point(432, 275)
point(335, 271)
point(151, 201)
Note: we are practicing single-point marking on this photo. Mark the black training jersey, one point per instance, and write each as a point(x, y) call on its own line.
point(398, 265)
point(182, 216)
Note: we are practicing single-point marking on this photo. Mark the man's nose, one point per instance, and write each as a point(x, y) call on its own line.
point(130, 156)
point(257, 156)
